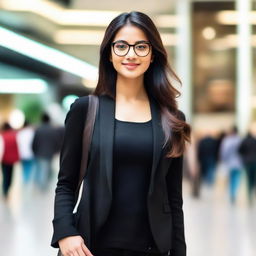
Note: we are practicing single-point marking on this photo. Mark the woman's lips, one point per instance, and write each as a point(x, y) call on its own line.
point(130, 66)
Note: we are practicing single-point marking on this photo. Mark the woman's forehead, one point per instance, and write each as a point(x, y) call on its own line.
point(130, 34)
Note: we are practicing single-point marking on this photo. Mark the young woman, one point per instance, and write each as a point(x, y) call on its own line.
point(132, 195)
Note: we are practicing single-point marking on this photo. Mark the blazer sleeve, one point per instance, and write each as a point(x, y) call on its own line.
point(70, 159)
point(174, 185)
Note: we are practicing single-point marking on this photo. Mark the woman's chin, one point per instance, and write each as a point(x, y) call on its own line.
point(130, 75)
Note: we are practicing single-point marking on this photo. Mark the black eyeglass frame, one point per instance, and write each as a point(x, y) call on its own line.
point(133, 45)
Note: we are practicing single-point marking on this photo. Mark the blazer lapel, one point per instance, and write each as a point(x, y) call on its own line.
point(107, 119)
point(158, 140)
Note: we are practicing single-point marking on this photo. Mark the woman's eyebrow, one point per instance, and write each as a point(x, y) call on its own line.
point(137, 42)
point(141, 41)
point(121, 41)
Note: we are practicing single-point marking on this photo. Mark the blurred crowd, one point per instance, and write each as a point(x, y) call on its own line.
point(34, 148)
point(235, 155)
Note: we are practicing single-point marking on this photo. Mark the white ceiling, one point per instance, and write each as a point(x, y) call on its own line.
point(36, 24)
point(150, 7)
point(147, 6)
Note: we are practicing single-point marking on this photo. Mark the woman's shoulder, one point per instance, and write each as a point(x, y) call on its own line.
point(78, 108)
point(81, 102)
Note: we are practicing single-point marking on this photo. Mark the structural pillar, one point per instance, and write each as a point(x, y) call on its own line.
point(244, 66)
point(184, 56)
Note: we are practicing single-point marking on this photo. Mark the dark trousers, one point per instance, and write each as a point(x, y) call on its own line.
point(251, 179)
point(7, 170)
point(208, 170)
point(124, 252)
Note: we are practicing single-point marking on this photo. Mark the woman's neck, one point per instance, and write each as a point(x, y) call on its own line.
point(130, 89)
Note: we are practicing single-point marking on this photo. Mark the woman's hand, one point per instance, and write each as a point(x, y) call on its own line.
point(73, 246)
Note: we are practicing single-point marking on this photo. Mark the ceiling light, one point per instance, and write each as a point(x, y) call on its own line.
point(166, 21)
point(231, 17)
point(68, 17)
point(227, 17)
point(59, 15)
point(16, 119)
point(23, 86)
point(84, 18)
point(209, 33)
point(81, 37)
point(46, 54)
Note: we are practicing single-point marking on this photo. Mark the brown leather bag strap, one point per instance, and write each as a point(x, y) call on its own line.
point(87, 137)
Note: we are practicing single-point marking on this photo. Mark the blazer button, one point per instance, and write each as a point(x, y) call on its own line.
point(149, 248)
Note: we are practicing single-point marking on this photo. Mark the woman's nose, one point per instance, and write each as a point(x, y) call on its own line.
point(131, 53)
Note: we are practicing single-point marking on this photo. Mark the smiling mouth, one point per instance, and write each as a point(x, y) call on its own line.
point(130, 64)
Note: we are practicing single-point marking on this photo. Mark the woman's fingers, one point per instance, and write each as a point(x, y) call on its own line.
point(74, 246)
point(86, 250)
point(81, 252)
point(75, 253)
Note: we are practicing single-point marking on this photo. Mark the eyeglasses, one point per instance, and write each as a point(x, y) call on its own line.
point(141, 48)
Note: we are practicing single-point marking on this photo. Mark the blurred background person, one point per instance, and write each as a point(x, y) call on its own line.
point(207, 152)
point(1, 147)
point(191, 167)
point(44, 145)
point(1, 151)
point(229, 155)
point(25, 138)
point(247, 151)
point(10, 156)
point(220, 136)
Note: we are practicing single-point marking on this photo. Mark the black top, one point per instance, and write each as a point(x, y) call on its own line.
point(127, 225)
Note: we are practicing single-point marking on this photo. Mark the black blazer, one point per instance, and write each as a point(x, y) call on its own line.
point(165, 190)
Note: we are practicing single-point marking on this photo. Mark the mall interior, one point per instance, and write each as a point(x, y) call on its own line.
point(49, 55)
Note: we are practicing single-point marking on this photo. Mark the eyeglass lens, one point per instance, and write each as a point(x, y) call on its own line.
point(122, 48)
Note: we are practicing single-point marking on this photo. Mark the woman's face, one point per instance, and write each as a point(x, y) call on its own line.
point(131, 65)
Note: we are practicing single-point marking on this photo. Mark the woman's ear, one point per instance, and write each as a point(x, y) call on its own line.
point(110, 58)
point(152, 58)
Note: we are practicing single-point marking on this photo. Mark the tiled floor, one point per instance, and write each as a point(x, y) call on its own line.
point(213, 226)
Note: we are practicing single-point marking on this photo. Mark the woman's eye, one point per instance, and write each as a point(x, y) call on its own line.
point(141, 47)
point(121, 46)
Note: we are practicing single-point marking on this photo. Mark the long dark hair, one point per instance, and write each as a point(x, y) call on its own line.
point(156, 81)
